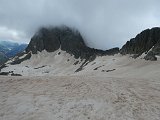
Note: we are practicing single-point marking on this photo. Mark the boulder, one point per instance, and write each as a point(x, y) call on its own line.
point(150, 56)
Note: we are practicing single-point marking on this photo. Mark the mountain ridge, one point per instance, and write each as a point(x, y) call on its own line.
point(69, 40)
point(58, 40)
point(148, 41)
point(9, 49)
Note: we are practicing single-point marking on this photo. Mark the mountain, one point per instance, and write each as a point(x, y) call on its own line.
point(10, 49)
point(16, 50)
point(8, 44)
point(64, 38)
point(147, 42)
point(3, 58)
point(69, 40)
point(52, 49)
point(3, 49)
point(63, 79)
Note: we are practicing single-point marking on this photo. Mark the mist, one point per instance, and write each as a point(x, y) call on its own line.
point(103, 24)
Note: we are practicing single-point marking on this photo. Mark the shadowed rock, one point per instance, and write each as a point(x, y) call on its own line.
point(150, 56)
point(69, 40)
point(143, 42)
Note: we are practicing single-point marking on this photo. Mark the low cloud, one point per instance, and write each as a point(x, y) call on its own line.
point(103, 23)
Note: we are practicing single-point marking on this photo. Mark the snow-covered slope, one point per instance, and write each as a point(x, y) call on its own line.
point(60, 63)
point(61, 51)
point(45, 63)
point(107, 88)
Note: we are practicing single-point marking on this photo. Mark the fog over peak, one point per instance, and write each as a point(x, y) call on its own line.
point(103, 23)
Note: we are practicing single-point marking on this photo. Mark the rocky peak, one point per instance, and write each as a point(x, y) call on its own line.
point(147, 41)
point(69, 40)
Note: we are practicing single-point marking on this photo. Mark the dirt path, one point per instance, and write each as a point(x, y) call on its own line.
point(79, 98)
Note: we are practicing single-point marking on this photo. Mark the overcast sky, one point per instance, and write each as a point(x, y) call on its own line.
point(103, 23)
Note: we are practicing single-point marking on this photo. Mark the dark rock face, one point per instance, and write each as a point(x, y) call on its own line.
point(3, 58)
point(112, 51)
point(150, 56)
point(51, 39)
point(156, 49)
point(44, 39)
point(18, 60)
point(143, 42)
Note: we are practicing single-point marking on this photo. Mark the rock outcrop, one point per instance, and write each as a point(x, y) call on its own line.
point(147, 42)
point(69, 40)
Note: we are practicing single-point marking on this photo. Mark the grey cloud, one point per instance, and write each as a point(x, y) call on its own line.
point(103, 23)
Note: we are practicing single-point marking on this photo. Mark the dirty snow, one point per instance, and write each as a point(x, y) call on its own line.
point(108, 88)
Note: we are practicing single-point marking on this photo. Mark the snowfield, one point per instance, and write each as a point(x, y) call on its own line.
point(108, 88)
